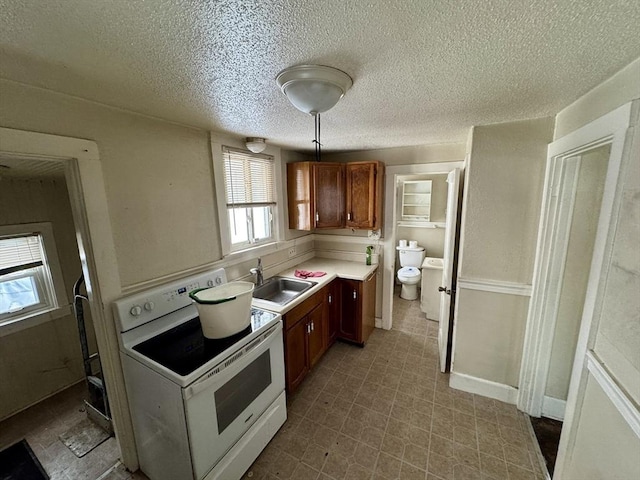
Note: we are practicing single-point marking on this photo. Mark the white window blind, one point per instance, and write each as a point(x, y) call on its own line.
point(20, 253)
point(249, 178)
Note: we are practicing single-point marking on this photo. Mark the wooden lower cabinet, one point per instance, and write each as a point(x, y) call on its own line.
point(317, 333)
point(295, 353)
point(344, 309)
point(358, 305)
point(333, 311)
point(305, 338)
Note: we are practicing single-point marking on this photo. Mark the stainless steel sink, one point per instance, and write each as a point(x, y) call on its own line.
point(281, 290)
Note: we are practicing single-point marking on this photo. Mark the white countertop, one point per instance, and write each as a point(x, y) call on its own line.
point(334, 269)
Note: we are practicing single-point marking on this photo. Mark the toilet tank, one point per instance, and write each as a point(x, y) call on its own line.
point(411, 257)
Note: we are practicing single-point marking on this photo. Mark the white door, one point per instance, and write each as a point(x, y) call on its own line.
point(453, 181)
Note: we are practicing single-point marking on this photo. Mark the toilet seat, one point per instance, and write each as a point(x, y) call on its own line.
point(409, 272)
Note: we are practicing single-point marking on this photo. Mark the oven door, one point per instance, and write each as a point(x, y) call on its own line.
point(222, 405)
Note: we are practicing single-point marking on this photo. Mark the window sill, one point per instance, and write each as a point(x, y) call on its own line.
point(14, 326)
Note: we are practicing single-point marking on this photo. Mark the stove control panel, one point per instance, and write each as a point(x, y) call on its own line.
point(144, 307)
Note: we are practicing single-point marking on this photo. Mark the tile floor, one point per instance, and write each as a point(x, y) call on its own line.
point(379, 412)
point(43, 423)
point(386, 412)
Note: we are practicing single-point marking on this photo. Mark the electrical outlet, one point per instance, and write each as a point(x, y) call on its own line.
point(292, 251)
point(374, 234)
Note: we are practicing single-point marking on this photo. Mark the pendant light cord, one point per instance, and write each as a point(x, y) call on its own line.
point(316, 141)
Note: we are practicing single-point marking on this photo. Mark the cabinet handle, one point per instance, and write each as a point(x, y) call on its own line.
point(312, 327)
point(349, 216)
point(355, 295)
point(330, 300)
point(317, 217)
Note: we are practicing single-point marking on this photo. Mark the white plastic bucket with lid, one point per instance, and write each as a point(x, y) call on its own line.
point(224, 310)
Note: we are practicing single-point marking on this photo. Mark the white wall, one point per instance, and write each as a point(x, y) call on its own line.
point(603, 446)
point(621, 88)
point(158, 178)
point(39, 361)
point(503, 189)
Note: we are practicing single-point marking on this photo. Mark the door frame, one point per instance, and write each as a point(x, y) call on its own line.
point(448, 298)
point(610, 129)
point(390, 216)
point(87, 195)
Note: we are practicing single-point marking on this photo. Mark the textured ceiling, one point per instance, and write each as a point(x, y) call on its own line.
point(424, 71)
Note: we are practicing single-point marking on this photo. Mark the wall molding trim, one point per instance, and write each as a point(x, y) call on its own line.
point(618, 397)
point(486, 388)
point(553, 408)
point(495, 286)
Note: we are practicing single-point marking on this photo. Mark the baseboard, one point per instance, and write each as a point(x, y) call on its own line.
point(486, 388)
point(553, 408)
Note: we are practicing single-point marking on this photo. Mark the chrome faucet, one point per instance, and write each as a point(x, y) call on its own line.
point(258, 273)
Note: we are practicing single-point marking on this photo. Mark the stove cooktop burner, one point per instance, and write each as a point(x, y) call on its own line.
point(184, 349)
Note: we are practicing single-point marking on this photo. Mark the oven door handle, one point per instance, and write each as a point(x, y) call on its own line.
point(249, 353)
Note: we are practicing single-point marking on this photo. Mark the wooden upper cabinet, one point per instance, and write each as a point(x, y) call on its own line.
point(364, 187)
point(335, 195)
point(315, 193)
point(300, 195)
point(329, 195)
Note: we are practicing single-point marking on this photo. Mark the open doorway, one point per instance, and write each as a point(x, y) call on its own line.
point(56, 402)
point(581, 196)
point(94, 238)
point(402, 184)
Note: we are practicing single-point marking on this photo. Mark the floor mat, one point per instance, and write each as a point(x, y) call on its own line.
point(83, 437)
point(548, 434)
point(18, 462)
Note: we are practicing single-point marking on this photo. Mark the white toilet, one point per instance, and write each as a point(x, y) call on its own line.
point(409, 275)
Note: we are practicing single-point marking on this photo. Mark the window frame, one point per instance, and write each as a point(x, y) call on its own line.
point(218, 142)
point(54, 290)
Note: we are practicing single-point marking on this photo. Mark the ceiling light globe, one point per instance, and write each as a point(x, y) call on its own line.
point(256, 144)
point(313, 89)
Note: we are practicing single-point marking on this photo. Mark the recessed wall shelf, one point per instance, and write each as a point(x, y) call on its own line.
point(418, 224)
point(416, 200)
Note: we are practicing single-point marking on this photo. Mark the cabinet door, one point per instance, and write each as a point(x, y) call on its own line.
point(329, 195)
point(368, 305)
point(350, 318)
point(333, 310)
point(361, 193)
point(300, 195)
point(296, 355)
point(316, 335)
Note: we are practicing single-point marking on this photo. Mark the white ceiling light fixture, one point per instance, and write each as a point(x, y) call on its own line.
point(313, 89)
point(256, 144)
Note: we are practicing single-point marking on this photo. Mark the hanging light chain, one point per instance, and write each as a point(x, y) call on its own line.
point(316, 141)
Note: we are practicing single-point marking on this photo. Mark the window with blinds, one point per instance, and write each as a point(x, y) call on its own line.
point(251, 197)
point(25, 280)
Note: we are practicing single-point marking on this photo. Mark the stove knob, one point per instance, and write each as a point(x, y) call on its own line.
point(218, 281)
point(135, 310)
point(210, 283)
point(149, 306)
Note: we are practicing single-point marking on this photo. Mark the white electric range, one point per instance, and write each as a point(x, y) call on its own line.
point(201, 408)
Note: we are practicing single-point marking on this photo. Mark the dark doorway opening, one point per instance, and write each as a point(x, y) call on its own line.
point(548, 435)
